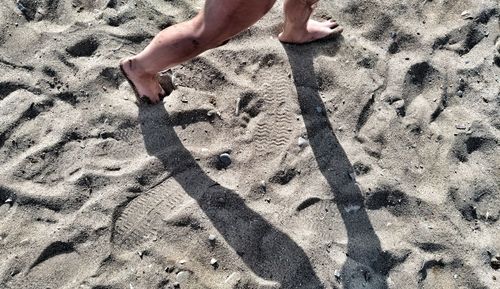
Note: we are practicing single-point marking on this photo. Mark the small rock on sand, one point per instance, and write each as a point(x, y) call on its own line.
point(466, 15)
point(263, 186)
point(182, 276)
point(233, 279)
point(302, 142)
point(225, 159)
point(352, 208)
point(213, 262)
point(337, 275)
point(495, 262)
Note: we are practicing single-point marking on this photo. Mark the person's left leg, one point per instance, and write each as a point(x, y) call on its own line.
point(219, 21)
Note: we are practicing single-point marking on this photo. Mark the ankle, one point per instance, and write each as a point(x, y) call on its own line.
point(136, 67)
point(293, 29)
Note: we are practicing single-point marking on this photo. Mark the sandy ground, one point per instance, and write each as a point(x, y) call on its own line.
point(366, 161)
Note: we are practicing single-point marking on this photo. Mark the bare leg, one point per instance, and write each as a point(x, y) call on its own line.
point(299, 28)
point(219, 21)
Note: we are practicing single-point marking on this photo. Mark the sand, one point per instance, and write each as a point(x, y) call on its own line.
point(366, 161)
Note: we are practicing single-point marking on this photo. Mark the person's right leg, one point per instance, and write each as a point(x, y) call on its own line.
point(219, 21)
point(298, 28)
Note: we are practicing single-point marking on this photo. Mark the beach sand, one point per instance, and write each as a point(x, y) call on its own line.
point(366, 161)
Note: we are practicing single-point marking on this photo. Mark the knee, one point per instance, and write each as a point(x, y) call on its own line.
point(212, 28)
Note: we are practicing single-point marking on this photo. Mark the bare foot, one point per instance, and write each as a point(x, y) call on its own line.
point(315, 30)
point(146, 86)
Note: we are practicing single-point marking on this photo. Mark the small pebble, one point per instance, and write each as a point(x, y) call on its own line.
point(213, 262)
point(352, 208)
point(337, 275)
point(182, 262)
point(9, 200)
point(225, 159)
point(460, 93)
point(263, 186)
point(460, 126)
point(237, 111)
point(182, 276)
point(302, 142)
point(319, 109)
point(495, 262)
point(213, 112)
point(466, 15)
point(497, 45)
point(212, 238)
point(233, 279)
point(399, 103)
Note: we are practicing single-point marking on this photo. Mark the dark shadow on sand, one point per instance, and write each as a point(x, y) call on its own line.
point(267, 251)
point(366, 265)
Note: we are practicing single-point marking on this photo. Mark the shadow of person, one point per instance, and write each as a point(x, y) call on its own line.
point(267, 251)
point(365, 266)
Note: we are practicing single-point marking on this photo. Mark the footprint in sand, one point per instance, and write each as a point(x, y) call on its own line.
point(146, 216)
point(274, 128)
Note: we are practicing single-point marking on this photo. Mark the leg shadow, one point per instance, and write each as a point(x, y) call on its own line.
point(267, 251)
point(365, 266)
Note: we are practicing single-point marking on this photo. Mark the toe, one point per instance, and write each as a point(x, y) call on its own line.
point(162, 93)
point(337, 30)
point(144, 99)
point(330, 24)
